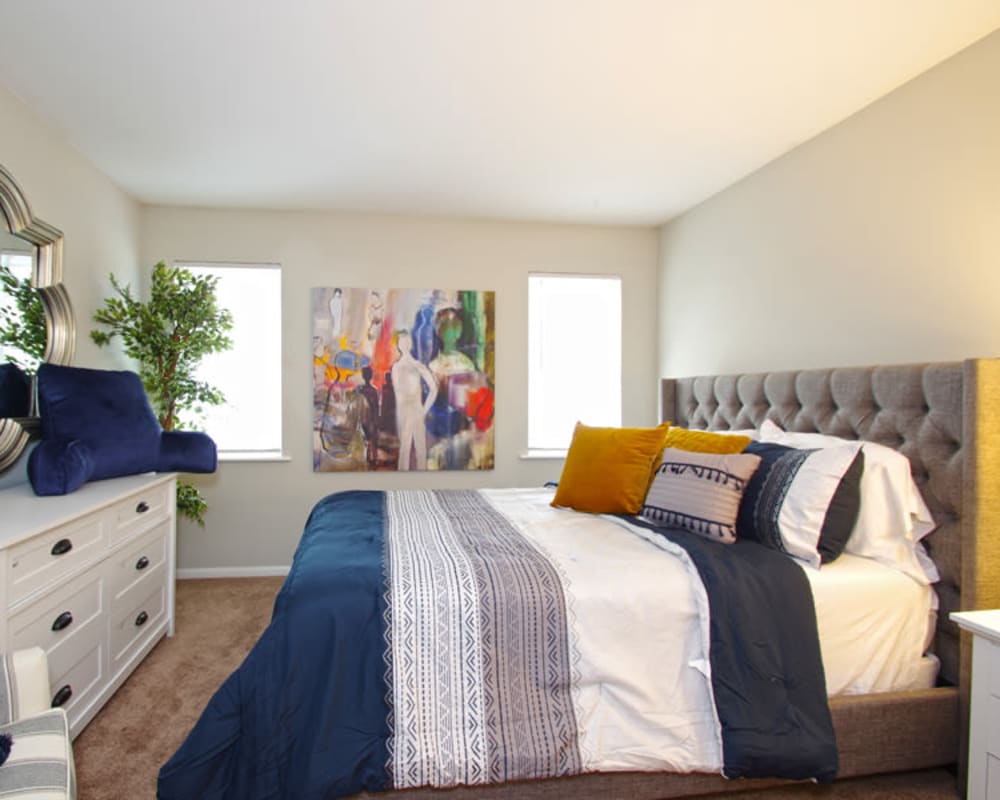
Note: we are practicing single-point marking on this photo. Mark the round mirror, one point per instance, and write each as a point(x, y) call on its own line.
point(30, 281)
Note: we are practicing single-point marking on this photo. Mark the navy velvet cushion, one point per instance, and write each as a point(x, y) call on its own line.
point(186, 451)
point(98, 424)
point(59, 466)
point(105, 410)
point(15, 391)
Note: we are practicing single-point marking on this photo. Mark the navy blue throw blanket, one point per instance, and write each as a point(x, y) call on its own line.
point(767, 670)
point(305, 715)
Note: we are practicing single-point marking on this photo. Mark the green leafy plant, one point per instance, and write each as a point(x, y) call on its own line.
point(22, 321)
point(168, 336)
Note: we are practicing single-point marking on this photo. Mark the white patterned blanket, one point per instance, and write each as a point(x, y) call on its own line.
point(529, 641)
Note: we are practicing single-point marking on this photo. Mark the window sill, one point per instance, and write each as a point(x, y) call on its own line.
point(551, 455)
point(253, 455)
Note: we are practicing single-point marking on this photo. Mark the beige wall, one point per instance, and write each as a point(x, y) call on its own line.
point(100, 222)
point(257, 510)
point(876, 242)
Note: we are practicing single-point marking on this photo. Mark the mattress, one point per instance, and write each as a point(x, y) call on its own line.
point(875, 625)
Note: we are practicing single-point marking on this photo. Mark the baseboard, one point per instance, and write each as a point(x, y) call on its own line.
point(232, 572)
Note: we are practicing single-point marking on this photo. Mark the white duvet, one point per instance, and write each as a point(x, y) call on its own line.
point(639, 621)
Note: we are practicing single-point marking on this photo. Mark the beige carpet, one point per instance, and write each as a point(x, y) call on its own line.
point(119, 754)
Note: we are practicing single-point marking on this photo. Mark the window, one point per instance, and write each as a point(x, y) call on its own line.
point(249, 423)
point(574, 356)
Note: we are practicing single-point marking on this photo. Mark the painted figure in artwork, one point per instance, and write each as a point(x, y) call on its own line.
point(409, 377)
point(425, 346)
point(455, 374)
point(336, 312)
point(340, 427)
point(376, 315)
point(371, 418)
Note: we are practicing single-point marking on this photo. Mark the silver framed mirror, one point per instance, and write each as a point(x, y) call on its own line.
point(45, 243)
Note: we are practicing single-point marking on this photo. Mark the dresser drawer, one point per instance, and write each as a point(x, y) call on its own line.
point(140, 511)
point(76, 675)
point(141, 610)
point(45, 559)
point(59, 616)
point(139, 560)
point(113, 567)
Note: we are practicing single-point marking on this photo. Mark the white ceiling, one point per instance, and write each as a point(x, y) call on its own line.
point(616, 111)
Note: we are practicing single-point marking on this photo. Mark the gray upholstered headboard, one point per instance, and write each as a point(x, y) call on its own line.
point(944, 417)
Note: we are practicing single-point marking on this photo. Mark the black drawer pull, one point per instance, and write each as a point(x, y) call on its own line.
point(64, 694)
point(64, 620)
point(141, 619)
point(62, 547)
point(142, 508)
point(142, 563)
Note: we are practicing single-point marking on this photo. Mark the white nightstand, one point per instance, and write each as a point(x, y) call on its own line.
point(984, 725)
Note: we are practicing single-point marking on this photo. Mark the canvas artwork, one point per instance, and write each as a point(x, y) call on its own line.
point(403, 379)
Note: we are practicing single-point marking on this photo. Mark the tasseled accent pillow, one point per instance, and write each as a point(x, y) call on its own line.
point(699, 492)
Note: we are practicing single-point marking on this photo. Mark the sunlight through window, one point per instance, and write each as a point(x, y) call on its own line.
point(249, 423)
point(574, 356)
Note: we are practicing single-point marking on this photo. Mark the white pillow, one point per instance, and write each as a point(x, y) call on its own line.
point(788, 503)
point(893, 517)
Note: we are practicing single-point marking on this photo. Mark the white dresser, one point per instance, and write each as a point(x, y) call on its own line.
point(89, 577)
point(984, 725)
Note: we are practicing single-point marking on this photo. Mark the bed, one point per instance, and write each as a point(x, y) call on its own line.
point(941, 416)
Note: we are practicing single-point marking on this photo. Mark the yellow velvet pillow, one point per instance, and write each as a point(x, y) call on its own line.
point(608, 470)
point(705, 441)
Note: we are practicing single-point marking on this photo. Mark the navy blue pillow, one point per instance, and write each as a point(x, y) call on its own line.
point(15, 391)
point(778, 466)
point(98, 424)
point(105, 410)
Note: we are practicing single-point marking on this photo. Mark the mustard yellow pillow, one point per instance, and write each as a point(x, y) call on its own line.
point(608, 470)
point(705, 441)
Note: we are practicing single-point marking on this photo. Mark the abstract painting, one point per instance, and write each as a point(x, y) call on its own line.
point(403, 379)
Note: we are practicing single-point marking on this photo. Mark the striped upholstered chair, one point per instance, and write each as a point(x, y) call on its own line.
point(40, 763)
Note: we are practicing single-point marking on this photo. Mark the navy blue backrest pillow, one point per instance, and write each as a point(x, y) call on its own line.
point(105, 410)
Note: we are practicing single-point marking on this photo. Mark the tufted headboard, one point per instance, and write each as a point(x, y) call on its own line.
point(944, 417)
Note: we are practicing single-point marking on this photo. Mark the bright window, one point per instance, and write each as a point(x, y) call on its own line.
point(249, 423)
point(574, 356)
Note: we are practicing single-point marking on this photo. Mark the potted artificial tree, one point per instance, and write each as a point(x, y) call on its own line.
point(168, 336)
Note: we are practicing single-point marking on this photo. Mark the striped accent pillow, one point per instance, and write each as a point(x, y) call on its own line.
point(40, 765)
point(699, 492)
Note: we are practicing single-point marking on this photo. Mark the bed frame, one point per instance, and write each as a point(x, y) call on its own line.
point(945, 418)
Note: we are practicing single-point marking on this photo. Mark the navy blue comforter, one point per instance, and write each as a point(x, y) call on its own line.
point(767, 671)
point(307, 717)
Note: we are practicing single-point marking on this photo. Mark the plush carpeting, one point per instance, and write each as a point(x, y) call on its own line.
point(119, 754)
